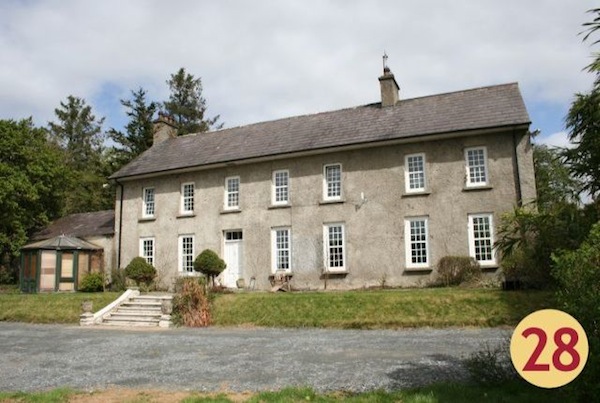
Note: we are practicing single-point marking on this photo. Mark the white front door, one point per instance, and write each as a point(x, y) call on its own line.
point(233, 253)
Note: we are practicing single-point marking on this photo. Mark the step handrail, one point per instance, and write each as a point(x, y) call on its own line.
point(130, 293)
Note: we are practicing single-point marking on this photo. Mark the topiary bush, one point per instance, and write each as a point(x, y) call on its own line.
point(457, 270)
point(140, 271)
point(209, 264)
point(92, 282)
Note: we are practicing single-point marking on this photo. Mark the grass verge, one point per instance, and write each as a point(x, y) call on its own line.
point(436, 307)
point(50, 307)
point(514, 392)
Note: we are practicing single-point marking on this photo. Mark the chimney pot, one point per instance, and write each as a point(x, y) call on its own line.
point(164, 128)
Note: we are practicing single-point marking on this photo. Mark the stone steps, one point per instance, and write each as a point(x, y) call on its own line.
point(141, 310)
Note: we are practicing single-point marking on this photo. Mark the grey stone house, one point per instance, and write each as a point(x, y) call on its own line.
point(348, 198)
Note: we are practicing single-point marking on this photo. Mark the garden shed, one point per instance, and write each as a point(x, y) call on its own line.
point(58, 263)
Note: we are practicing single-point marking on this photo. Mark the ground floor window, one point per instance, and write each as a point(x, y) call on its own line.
point(481, 238)
point(147, 249)
point(334, 241)
point(417, 245)
point(186, 253)
point(281, 249)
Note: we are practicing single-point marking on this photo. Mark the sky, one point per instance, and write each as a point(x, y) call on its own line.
point(262, 60)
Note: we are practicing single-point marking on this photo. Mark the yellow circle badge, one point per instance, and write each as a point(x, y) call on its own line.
point(549, 348)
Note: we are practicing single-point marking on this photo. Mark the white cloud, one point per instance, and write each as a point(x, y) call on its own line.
point(268, 59)
point(559, 139)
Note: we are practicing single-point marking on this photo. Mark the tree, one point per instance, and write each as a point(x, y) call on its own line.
point(79, 134)
point(138, 134)
point(187, 106)
point(583, 123)
point(209, 264)
point(553, 180)
point(31, 184)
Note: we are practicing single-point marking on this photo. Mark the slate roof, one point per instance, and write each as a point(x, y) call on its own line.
point(80, 225)
point(62, 242)
point(480, 108)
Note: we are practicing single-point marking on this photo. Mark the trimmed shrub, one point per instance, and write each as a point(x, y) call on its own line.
point(457, 270)
point(209, 264)
point(92, 282)
point(191, 306)
point(140, 271)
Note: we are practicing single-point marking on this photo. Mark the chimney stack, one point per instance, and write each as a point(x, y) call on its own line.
point(389, 86)
point(164, 128)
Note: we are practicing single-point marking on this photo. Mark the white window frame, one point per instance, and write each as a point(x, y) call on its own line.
point(285, 188)
point(473, 239)
point(470, 182)
point(275, 250)
point(408, 173)
point(227, 206)
point(184, 209)
point(409, 242)
point(146, 204)
point(149, 258)
point(326, 182)
point(327, 249)
point(182, 255)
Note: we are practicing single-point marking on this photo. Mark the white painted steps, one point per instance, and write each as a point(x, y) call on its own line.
point(139, 310)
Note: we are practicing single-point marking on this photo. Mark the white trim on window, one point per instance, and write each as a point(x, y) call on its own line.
point(280, 193)
point(148, 202)
point(148, 249)
point(187, 198)
point(232, 193)
point(481, 238)
point(186, 253)
point(334, 243)
point(332, 182)
point(414, 173)
point(416, 236)
point(281, 249)
point(476, 166)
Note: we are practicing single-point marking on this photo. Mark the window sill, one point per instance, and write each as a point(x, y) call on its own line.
point(330, 273)
point(185, 215)
point(334, 201)
point(418, 270)
point(278, 206)
point(146, 219)
point(476, 188)
point(231, 211)
point(416, 194)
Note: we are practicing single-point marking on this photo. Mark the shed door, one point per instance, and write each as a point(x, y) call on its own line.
point(48, 271)
point(233, 253)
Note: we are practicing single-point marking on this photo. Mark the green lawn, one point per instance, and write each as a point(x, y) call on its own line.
point(437, 307)
point(49, 307)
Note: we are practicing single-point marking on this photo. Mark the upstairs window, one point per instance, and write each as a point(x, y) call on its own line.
point(281, 249)
point(186, 253)
point(147, 249)
point(281, 187)
point(332, 182)
point(476, 164)
point(481, 238)
point(414, 173)
point(148, 208)
point(232, 193)
point(417, 245)
point(335, 253)
point(187, 198)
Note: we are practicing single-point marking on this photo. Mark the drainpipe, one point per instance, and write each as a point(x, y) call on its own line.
point(120, 223)
point(517, 172)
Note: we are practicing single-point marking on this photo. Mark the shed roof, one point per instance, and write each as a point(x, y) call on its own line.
point(62, 242)
point(80, 225)
point(476, 109)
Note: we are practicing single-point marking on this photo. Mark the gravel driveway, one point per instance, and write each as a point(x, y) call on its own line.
point(38, 357)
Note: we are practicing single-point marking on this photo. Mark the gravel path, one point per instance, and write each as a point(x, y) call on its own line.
point(36, 357)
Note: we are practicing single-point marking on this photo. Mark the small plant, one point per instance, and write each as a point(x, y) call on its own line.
point(209, 264)
point(6, 275)
point(118, 280)
point(492, 365)
point(92, 282)
point(456, 270)
point(191, 306)
point(140, 271)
